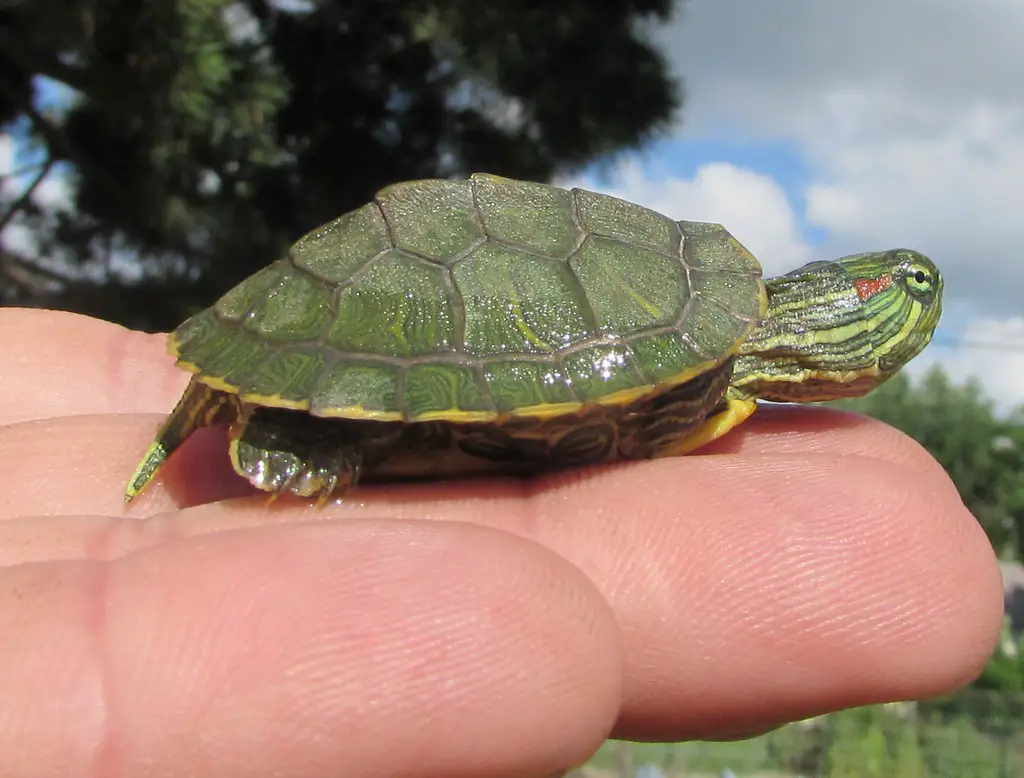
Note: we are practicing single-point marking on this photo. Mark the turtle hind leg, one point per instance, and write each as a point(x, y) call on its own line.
point(199, 406)
point(291, 452)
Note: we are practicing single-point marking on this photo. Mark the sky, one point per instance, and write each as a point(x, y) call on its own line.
point(817, 128)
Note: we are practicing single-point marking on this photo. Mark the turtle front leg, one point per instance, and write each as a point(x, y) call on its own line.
point(289, 452)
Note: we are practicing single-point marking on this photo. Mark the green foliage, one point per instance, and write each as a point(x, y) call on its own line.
point(982, 451)
point(204, 136)
point(959, 750)
point(874, 742)
point(909, 757)
point(971, 734)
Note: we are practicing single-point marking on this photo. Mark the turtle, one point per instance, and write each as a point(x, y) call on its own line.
point(458, 327)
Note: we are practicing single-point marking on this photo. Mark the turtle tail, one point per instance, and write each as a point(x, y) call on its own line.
point(199, 406)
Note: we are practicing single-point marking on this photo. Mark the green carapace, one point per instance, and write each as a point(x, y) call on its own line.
point(457, 327)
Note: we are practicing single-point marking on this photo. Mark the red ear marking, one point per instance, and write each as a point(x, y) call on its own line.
point(869, 287)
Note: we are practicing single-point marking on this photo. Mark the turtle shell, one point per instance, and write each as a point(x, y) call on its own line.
point(473, 300)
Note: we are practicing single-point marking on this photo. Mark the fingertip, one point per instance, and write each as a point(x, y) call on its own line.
point(927, 601)
point(793, 585)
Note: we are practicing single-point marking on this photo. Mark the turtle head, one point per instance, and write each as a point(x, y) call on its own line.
point(840, 328)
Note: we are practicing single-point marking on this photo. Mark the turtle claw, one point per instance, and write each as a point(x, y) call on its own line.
point(302, 471)
point(336, 486)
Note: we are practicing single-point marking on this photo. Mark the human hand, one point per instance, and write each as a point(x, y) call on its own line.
point(811, 560)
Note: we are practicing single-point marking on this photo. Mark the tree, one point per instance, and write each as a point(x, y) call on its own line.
point(203, 136)
point(982, 451)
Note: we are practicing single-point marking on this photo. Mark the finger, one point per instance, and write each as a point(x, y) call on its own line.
point(795, 429)
point(317, 649)
point(61, 364)
point(815, 581)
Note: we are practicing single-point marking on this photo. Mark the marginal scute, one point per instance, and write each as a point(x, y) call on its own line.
point(357, 389)
point(248, 295)
point(538, 217)
point(436, 219)
point(666, 356)
point(710, 246)
point(718, 330)
point(339, 248)
point(454, 388)
point(630, 287)
point(518, 303)
point(398, 307)
point(197, 336)
point(223, 352)
point(627, 222)
point(295, 309)
point(520, 383)
point(598, 371)
point(290, 374)
point(740, 295)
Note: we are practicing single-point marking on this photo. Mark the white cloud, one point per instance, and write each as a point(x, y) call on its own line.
point(778, 67)
point(909, 114)
point(752, 206)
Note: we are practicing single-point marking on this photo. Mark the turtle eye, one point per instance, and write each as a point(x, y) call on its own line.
point(920, 279)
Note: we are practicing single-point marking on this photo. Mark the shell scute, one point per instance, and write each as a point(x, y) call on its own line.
point(400, 306)
point(630, 288)
point(518, 303)
point(536, 217)
point(340, 248)
point(436, 219)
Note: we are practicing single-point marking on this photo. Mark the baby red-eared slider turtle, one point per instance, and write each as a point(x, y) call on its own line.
point(488, 325)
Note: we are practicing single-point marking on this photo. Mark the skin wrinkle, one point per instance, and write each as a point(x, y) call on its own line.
point(793, 430)
point(785, 615)
point(106, 754)
point(832, 551)
point(64, 660)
